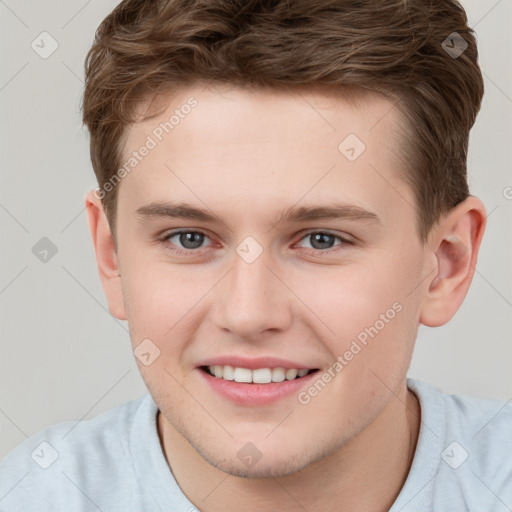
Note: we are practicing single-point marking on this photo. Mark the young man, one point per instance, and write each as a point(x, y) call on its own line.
point(282, 202)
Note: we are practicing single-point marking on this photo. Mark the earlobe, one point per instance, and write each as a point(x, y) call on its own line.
point(106, 256)
point(455, 245)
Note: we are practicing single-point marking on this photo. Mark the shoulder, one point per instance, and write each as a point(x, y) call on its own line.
point(468, 443)
point(479, 423)
point(60, 464)
point(481, 430)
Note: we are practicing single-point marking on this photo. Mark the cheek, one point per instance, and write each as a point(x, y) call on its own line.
point(346, 297)
point(369, 304)
point(152, 301)
point(163, 301)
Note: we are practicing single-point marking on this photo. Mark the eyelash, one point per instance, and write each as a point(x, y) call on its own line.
point(180, 252)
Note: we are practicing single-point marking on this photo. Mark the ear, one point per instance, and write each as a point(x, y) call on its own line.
point(454, 247)
point(106, 256)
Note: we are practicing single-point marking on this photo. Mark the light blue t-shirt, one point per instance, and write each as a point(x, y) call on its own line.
point(114, 462)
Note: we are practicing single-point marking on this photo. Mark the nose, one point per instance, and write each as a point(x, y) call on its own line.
point(253, 300)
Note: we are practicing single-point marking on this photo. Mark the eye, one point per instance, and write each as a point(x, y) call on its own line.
point(188, 240)
point(322, 240)
point(184, 242)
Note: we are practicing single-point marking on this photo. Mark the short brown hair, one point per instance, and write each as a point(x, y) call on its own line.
point(399, 48)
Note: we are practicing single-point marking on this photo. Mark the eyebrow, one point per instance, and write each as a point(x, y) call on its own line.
point(292, 214)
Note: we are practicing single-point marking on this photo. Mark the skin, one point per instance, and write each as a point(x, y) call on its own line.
point(246, 156)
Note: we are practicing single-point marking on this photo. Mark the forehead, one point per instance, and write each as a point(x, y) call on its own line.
point(245, 106)
point(226, 142)
point(323, 110)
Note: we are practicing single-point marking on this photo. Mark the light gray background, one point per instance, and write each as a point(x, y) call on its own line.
point(63, 356)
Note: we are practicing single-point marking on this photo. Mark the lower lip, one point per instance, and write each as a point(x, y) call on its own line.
point(255, 394)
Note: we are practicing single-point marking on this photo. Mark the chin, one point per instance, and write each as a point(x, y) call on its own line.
point(272, 461)
point(269, 468)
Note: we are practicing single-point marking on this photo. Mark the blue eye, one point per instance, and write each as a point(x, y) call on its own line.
point(321, 240)
point(185, 242)
point(189, 240)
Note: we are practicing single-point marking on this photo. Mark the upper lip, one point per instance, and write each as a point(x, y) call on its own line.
point(254, 363)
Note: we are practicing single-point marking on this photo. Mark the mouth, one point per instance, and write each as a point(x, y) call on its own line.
point(257, 381)
point(258, 375)
point(256, 386)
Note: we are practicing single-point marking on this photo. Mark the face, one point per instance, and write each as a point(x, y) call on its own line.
point(260, 234)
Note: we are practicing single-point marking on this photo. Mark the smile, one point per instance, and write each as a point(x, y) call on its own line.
point(256, 376)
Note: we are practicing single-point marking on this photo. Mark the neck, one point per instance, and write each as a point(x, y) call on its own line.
point(365, 474)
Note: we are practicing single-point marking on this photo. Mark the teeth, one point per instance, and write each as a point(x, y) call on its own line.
point(278, 375)
point(291, 374)
point(262, 376)
point(258, 376)
point(242, 375)
point(228, 373)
